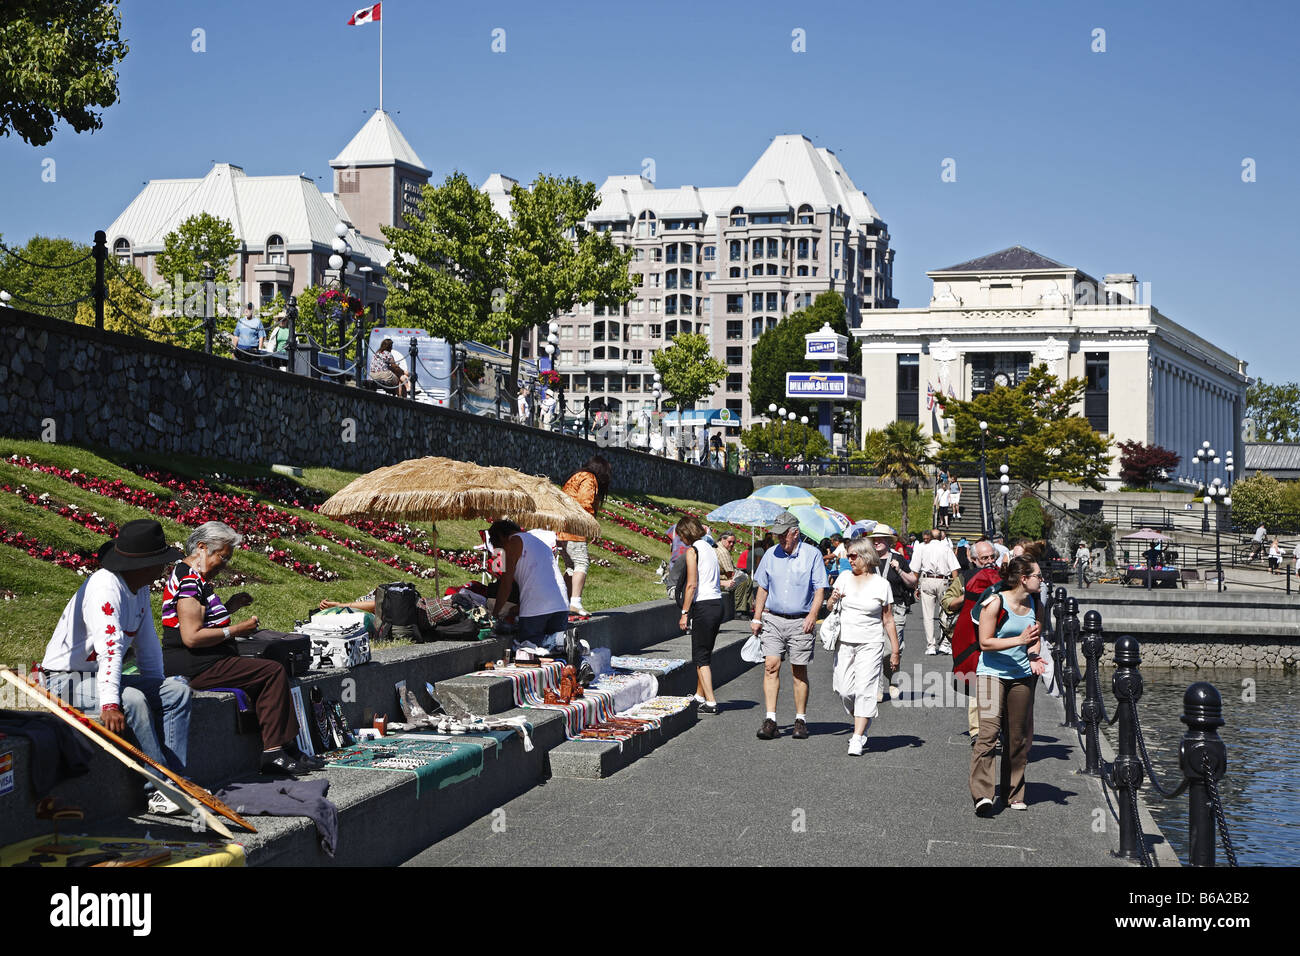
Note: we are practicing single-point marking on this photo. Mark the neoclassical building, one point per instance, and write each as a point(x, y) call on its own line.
point(989, 320)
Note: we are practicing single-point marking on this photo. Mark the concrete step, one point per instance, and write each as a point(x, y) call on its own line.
point(594, 759)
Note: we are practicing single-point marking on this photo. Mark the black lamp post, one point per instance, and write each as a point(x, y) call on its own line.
point(341, 260)
point(1218, 493)
point(1205, 455)
point(803, 420)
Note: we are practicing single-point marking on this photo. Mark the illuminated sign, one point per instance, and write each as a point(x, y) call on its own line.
point(825, 385)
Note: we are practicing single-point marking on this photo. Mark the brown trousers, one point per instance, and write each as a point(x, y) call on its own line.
point(266, 683)
point(1008, 704)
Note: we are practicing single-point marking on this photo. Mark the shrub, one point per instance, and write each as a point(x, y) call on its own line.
point(1027, 520)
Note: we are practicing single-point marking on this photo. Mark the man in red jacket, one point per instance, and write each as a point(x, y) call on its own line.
point(982, 574)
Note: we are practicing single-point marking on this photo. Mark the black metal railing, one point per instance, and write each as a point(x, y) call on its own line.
point(1202, 754)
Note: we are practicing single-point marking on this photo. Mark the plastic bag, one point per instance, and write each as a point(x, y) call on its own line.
point(753, 650)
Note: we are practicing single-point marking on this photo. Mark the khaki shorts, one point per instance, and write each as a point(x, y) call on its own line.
point(784, 637)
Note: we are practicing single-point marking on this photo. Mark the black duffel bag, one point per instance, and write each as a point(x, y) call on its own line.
point(444, 622)
point(397, 609)
point(291, 650)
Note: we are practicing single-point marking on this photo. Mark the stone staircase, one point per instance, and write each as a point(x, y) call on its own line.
point(383, 819)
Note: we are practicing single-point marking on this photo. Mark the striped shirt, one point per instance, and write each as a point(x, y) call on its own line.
point(185, 582)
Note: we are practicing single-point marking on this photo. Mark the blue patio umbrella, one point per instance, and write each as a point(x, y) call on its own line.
point(815, 521)
point(786, 495)
point(754, 512)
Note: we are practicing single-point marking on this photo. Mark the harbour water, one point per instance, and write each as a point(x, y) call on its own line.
point(1262, 714)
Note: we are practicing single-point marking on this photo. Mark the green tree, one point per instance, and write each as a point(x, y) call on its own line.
point(688, 370)
point(1031, 427)
point(58, 62)
point(903, 452)
point(46, 291)
point(555, 262)
point(1275, 410)
point(1262, 500)
point(450, 270)
point(781, 350)
point(201, 240)
point(785, 441)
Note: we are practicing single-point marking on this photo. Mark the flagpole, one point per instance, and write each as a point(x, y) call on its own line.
point(381, 62)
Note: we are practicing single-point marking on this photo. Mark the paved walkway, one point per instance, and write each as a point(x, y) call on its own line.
point(718, 795)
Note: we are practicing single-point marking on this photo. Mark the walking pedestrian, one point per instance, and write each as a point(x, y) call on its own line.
point(1083, 564)
point(954, 498)
point(701, 607)
point(982, 574)
point(1258, 540)
point(866, 620)
point(902, 583)
point(791, 583)
point(934, 562)
point(1005, 679)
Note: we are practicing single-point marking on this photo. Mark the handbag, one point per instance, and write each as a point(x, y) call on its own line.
point(830, 629)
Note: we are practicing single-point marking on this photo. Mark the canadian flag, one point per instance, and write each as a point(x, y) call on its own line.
point(367, 15)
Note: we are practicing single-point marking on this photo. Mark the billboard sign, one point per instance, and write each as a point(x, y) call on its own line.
point(828, 386)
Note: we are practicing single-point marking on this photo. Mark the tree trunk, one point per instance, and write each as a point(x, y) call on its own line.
point(902, 533)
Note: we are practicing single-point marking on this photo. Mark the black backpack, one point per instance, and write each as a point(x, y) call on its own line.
point(396, 606)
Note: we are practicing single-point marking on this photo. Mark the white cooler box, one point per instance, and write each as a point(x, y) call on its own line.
point(337, 640)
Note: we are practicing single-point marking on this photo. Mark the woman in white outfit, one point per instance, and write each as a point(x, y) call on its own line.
point(867, 618)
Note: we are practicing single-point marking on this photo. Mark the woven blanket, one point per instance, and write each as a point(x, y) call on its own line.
point(527, 682)
point(659, 708)
point(638, 719)
point(660, 665)
point(433, 763)
point(628, 689)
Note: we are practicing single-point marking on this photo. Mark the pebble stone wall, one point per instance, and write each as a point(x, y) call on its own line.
point(70, 383)
point(1248, 656)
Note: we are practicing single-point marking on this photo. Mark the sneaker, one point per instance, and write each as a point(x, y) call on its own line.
point(857, 745)
point(162, 804)
point(931, 652)
point(800, 730)
point(707, 707)
point(769, 730)
point(1018, 805)
point(575, 607)
point(945, 648)
point(984, 808)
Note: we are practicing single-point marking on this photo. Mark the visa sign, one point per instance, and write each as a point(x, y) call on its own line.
point(825, 385)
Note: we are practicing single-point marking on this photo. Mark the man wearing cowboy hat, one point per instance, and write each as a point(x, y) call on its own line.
point(109, 615)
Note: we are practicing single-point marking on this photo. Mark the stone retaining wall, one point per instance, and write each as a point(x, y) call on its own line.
point(70, 383)
point(1178, 652)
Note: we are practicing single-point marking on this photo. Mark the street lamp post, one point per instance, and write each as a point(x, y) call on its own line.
point(781, 433)
point(1228, 467)
point(1218, 493)
point(985, 504)
point(1205, 455)
point(658, 392)
point(1005, 481)
point(803, 420)
point(341, 261)
point(794, 417)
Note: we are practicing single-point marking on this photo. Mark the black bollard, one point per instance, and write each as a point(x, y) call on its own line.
point(1203, 715)
point(1126, 772)
point(1070, 675)
point(1092, 702)
point(209, 307)
point(415, 365)
point(100, 250)
point(291, 345)
point(1056, 612)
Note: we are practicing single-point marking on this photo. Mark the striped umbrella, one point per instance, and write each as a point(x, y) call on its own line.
point(816, 522)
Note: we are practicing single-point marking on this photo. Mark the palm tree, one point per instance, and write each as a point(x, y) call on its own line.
point(903, 451)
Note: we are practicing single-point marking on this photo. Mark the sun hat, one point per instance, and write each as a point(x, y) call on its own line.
point(783, 523)
point(882, 530)
point(139, 544)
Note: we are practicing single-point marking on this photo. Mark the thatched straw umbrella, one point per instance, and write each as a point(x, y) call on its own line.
point(429, 489)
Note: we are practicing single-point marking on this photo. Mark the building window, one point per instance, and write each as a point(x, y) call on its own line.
point(670, 279)
point(566, 331)
point(635, 356)
point(735, 382)
point(734, 405)
point(771, 302)
point(733, 250)
point(735, 329)
point(805, 215)
point(710, 253)
point(736, 303)
point(989, 370)
point(771, 248)
point(757, 327)
point(757, 251)
point(814, 248)
point(670, 305)
point(737, 216)
point(909, 387)
point(670, 253)
point(584, 356)
point(733, 272)
point(706, 305)
point(1096, 397)
point(656, 331)
point(584, 333)
point(756, 302)
point(771, 268)
point(656, 255)
point(688, 252)
point(639, 256)
point(801, 271)
point(122, 250)
point(801, 249)
point(735, 355)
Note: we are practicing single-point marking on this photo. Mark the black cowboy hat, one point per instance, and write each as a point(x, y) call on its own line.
point(139, 544)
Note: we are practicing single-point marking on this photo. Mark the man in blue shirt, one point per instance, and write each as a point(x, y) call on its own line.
point(250, 334)
point(791, 583)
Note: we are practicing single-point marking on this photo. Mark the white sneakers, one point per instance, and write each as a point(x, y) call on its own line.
point(162, 804)
point(945, 648)
point(857, 745)
point(1018, 806)
point(984, 808)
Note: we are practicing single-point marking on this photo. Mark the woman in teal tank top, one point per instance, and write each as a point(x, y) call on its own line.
point(1005, 679)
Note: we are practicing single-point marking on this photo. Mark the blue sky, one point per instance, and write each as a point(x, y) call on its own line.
point(1128, 160)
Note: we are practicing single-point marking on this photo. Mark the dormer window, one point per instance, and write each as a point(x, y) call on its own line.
point(122, 251)
point(275, 249)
